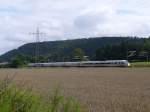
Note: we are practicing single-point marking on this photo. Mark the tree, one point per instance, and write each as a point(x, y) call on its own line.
point(78, 54)
point(17, 62)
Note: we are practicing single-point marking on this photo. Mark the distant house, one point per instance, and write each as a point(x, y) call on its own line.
point(85, 58)
point(4, 63)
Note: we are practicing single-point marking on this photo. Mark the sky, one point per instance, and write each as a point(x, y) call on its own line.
point(70, 19)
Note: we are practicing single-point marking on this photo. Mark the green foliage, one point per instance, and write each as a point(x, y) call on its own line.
point(140, 64)
point(111, 52)
point(63, 50)
point(78, 54)
point(14, 99)
point(18, 61)
point(121, 51)
point(59, 103)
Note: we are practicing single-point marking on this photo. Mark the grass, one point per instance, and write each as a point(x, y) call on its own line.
point(14, 99)
point(140, 64)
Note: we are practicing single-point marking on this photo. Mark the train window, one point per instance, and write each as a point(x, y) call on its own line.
point(120, 63)
point(108, 63)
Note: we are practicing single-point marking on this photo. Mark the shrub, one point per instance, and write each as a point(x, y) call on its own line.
point(17, 63)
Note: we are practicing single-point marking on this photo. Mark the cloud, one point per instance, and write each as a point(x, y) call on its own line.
point(68, 19)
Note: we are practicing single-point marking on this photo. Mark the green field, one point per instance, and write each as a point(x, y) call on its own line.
point(140, 64)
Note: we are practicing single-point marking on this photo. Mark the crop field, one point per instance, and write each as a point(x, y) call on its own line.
point(97, 89)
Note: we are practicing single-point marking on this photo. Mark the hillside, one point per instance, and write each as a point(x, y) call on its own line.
point(62, 50)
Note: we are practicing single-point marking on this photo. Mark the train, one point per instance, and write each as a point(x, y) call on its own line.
point(108, 63)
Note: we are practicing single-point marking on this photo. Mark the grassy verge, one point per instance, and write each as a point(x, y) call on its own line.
point(14, 99)
point(140, 64)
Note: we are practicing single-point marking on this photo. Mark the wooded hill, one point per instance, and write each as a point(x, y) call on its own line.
point(98, 48)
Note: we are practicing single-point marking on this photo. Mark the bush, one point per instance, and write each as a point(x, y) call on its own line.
point(17, 63)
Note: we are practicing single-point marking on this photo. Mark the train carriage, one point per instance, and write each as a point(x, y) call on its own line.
point(109, 63)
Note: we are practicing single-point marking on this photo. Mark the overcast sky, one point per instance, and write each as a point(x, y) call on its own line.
point(69, 19)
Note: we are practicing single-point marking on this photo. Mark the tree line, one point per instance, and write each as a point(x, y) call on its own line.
point(108, 48)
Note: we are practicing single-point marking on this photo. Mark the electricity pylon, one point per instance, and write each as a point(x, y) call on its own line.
point(37, 35)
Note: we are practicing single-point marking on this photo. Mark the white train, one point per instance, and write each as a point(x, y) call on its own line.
point(109, 63)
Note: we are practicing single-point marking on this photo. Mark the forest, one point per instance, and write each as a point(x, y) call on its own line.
point(97, 48)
